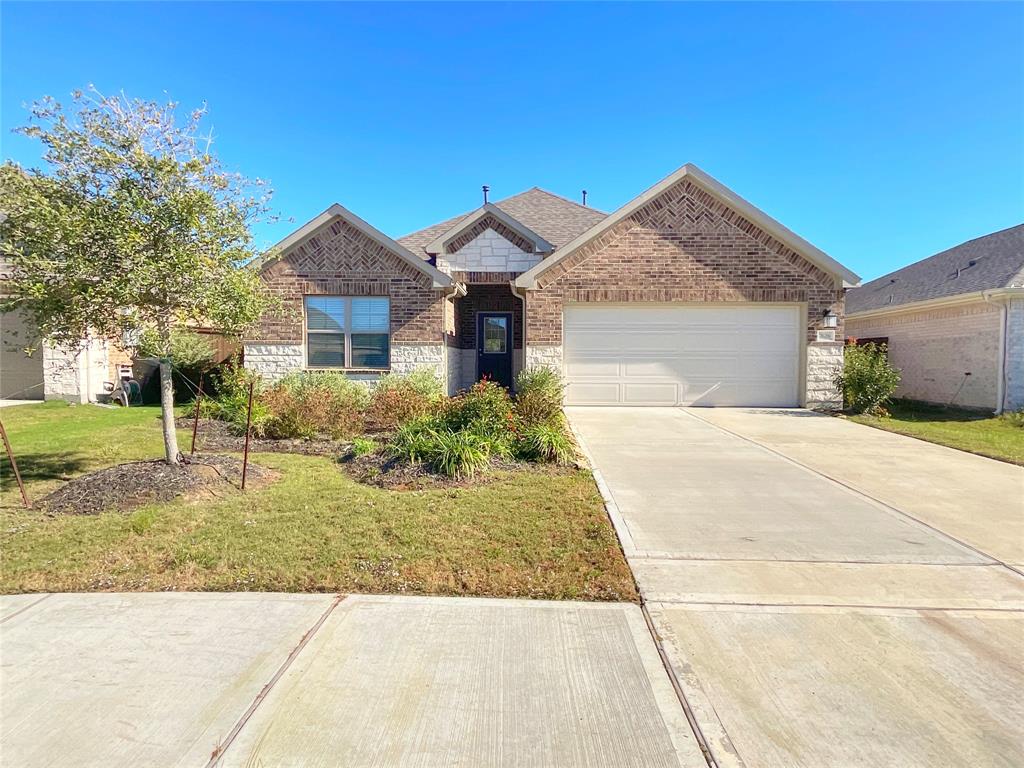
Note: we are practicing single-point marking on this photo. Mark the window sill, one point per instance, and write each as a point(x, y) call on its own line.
point(348, 370)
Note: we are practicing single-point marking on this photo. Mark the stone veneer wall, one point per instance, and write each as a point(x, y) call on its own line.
point(933, 349)
point(688, 246)
point(273, 361)
point(1013, 396)
point(488, 252)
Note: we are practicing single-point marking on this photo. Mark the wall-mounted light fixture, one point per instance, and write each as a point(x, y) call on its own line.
point(829, 319)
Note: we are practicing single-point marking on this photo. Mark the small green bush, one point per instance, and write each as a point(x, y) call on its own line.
point(1014, 418)
point(867, 380)
point(362, 446)
point(413, 441)
point(459, 454)
point(485, 408)
point(548, 441)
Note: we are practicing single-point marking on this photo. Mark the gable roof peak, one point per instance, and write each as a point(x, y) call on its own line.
point(338, 211)
point(713, 187)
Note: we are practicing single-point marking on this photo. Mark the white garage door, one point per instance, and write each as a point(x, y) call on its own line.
point(660, 354)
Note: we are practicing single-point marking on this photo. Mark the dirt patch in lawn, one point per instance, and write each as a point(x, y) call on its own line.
point(214, 435)
point(126, 486)
point(380, 471)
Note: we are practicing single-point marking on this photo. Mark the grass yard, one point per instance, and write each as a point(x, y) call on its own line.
point(539, 534)
point(976, 432)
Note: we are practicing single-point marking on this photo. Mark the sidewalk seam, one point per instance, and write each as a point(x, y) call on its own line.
point(222, 748)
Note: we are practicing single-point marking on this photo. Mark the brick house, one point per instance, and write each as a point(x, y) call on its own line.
point(953, 322)
point(685, 295)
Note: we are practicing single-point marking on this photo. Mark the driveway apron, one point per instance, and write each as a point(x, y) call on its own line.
point(817, 613)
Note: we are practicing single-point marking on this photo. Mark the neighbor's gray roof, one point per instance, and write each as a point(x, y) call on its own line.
point(998, 262)
point(554, 218)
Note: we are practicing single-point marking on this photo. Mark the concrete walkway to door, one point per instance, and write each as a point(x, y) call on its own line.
point(827, 593)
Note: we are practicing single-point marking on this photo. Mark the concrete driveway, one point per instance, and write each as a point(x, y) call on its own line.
point(828, 594)
point(318, 680)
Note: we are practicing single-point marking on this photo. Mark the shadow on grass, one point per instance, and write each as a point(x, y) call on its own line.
point(913, 410)
point(42, 466)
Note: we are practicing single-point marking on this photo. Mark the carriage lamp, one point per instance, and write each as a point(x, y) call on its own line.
point(830, 319)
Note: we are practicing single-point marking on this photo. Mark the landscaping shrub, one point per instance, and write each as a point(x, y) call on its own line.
point(361, 446)
point(548, 441)
point(1015, 418)
point(867, 380)
point(310, 404)
point(413, 441)
point(485, 408)
point(459, 454)
point(538, 395)
point(397, 399)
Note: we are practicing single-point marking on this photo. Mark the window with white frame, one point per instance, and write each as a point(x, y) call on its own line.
point(348, 332)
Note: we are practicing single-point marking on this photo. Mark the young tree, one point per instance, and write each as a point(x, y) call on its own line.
point(133, 226)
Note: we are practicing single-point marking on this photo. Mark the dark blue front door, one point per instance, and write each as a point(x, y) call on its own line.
point(494, 347)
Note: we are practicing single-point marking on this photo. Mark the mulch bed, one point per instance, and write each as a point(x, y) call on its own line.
point(127, 486)
point(394, 475)
point(214, 435)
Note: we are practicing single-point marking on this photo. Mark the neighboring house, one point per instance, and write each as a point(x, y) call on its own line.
point(685, 295)
point(953, 323)
point(31, 369)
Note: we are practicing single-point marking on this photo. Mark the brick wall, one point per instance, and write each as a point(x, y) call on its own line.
point(934, 348)
point(682, 246)
point(486, 298)
point(687, 246)
point(339, 259)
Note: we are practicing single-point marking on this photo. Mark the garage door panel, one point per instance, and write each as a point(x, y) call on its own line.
point(649, 394)
point(682, 354)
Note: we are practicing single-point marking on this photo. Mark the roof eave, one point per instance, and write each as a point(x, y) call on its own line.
point(987, 294)
point(760, 218)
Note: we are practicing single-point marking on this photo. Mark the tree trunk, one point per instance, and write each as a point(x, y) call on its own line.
point(167, 411)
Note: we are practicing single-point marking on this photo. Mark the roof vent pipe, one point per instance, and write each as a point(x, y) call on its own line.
point(486, 189)
point(584, 197)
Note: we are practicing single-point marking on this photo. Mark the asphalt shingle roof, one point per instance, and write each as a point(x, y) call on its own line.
point(554, 218)
point(992, 261)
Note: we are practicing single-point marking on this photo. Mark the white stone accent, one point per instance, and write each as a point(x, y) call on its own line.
point(823, 363)
point(543, 357)
point(274, 361)
point(406, 358)
point(488, 252)
point(1013, 397)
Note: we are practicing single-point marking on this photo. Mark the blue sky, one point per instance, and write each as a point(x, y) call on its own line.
point(881, 133)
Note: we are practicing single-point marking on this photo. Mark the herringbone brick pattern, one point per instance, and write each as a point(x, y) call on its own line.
point(684, 245)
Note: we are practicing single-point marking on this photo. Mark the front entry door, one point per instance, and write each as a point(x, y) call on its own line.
point(494, 347)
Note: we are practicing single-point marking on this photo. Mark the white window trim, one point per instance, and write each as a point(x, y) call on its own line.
point(346, 333)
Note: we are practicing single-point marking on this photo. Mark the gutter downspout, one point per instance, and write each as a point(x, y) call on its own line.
point(1001, 361)
point(458, 289)
point(522, 298)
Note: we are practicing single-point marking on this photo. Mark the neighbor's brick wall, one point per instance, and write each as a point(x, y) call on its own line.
point(934, 348)
point(339, 259)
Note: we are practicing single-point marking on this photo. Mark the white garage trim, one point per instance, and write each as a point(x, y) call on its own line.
point(726, 354)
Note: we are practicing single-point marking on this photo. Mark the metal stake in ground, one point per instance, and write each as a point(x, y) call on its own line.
point(248, 428)
point(195, 422)
point(14, 466)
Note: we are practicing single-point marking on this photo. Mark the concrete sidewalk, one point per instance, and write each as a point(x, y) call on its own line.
point(299, 680)
point(816, 610)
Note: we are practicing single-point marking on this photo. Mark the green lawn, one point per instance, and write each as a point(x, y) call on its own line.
point(526, 534)
point(968, 430)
